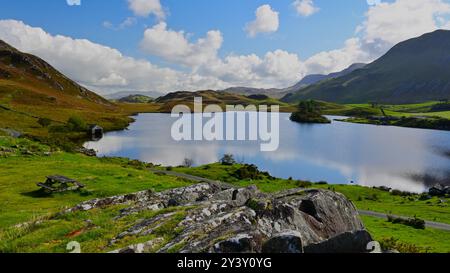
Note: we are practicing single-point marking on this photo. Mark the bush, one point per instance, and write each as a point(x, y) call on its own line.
point(187, 162)
point(393, 244)
point(304, 184)
point(412, 222)
point(76, 123)
point(44, 122)
point(228, 160)
point(372, 197)
point(401, 193)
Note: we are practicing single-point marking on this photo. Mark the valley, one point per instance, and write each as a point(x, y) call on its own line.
point(45, 117)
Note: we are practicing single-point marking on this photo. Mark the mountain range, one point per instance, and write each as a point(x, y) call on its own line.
point(413, 71)
point(306, 81)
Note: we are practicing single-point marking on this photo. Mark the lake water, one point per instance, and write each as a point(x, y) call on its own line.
point(340, 153)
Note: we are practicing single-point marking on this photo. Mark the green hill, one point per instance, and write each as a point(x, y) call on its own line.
point(414, 71)
point(31, 89)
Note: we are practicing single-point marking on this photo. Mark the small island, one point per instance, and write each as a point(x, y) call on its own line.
point(309, 112)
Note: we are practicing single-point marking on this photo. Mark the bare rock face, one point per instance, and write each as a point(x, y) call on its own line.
point(219, 218)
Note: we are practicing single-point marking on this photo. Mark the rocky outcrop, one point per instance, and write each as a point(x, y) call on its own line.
point(219, 218)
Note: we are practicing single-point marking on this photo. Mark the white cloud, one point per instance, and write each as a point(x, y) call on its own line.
point(402, 19)
point(98, 67)
point(175, 47)
point(386, 24)
point(144, 8)
point(305, 7)
point(266, 21)
point(128, 22)
point(73, 2)
point(105, 69)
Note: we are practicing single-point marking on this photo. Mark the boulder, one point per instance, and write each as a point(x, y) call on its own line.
point(219, 218)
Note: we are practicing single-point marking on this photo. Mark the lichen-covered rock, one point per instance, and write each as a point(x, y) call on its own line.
point(219, 218)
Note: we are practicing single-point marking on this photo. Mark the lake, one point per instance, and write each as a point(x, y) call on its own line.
point(339, 153)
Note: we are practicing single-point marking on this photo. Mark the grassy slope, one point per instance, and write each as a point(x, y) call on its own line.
point(105, 177)
point(19, 174)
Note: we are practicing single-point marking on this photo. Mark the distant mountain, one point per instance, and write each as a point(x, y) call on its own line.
point(306, 81)
point(413, 71)
point(220, 98)
point(248, 91)
point(315, 78)
point(27, 79)
point(123, 94)
point(136, 99)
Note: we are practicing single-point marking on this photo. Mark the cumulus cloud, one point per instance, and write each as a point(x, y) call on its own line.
point(144, 8)
point(174, 46)
point(385, 25)
point(96, 66)
point(402, 19)
point(266, 21)
point(305, 7)
point(105, 69)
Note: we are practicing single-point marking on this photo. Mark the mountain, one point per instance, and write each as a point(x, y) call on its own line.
point(25, 78)
point(306, 81)
point(220, 98)
point(248, 91)
point(31, 89)
point(413, 71)
point(315, 78)
point(136, 99)
point(123, 94)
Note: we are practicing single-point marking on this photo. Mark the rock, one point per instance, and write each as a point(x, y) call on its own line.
point(241, 243)
point(438, 190)
point(219, 218)
point(348, 242)
point(286, 242)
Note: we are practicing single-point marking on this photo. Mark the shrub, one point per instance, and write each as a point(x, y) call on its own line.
point(76, 123)
point(304, 184)
point(393, 244)
point(372, 197)
point(412, 222)
point(44, 122)
point(401, 193)
point(228, 160)
point(187, 162)
point(249, 172)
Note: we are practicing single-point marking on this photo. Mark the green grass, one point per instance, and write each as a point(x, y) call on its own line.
point(52, 236)
point(364, 198)
point(20, 199)
point(409, 239)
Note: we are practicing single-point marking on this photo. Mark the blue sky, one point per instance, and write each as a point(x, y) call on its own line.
point(291, 39)
point(328, 29)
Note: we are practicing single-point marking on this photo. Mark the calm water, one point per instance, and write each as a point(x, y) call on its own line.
point(401, 158)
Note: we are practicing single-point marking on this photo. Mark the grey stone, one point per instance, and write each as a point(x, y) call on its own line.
point(222, 219)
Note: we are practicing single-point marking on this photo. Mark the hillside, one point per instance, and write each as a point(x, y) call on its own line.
point(216, 97)
point(136, 99)
point(306, 81)
point(414, 71)
point(30, 89)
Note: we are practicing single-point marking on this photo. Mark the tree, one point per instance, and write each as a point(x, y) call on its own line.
point(76, 123)
point(187, 162)
point(44, 122)
point(228, 160)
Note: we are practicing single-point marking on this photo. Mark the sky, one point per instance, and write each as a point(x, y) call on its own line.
point(171, 45)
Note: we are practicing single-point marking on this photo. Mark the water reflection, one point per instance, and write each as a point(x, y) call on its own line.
point(337, 153)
